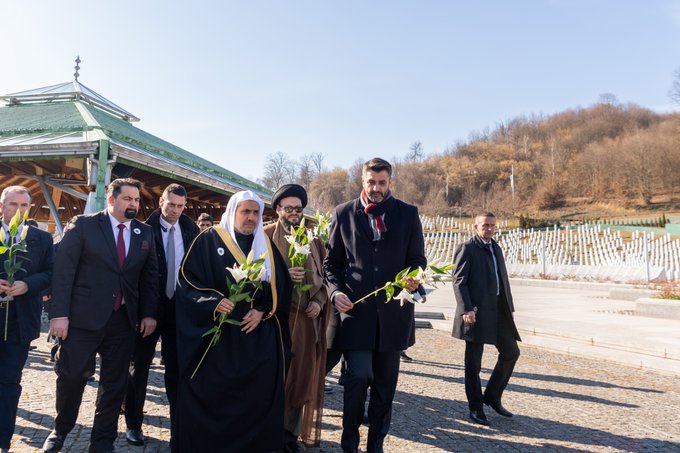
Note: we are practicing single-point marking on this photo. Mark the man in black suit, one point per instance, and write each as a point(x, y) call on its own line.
point(173, 232)
point(105, 286)
point(372, 239)
point(24, 310)
point(484, 316)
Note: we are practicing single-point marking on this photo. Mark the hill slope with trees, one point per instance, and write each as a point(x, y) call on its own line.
point(604, 159)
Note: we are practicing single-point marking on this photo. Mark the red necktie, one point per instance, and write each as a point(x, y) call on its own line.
point(121, 260)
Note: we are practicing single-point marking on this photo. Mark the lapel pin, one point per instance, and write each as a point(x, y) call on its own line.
point(137, 230)
point(220, 251)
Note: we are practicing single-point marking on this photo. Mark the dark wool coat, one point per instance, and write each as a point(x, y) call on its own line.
point(357, 265)
point(474, 286)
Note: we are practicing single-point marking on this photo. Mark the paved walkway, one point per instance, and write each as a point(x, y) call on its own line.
point(563, 402)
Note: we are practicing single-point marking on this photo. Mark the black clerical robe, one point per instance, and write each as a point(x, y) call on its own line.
point(235, 402)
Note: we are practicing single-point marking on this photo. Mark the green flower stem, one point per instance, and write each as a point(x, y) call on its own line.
point(296, 313)
point(223, 318)
point(6, 319)
point(387, 285)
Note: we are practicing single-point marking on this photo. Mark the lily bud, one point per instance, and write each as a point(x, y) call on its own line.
point(3, 235)
point(24, 232)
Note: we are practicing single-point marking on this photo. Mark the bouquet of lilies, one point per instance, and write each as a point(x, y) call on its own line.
point(300, 240)
point(431, 275)
point(12, 246)
point(247, 281)
point(323, 225)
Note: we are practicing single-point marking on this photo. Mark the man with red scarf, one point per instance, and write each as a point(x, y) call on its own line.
point(372, 238)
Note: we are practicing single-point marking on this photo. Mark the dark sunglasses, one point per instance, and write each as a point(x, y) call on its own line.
point(289, 209)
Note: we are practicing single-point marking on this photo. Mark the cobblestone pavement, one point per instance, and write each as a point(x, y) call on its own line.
point(561, 403)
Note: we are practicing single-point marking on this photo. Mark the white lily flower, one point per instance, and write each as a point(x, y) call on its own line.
point(237, 273)
point(290, 239)
point(249, 258)
point(24, 232)
point(302, 249)
point(310, 235)
point(420, 276)
point(404, 296)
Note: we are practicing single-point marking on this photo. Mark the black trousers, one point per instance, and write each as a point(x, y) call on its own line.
point(380, 372)
point(333, 357)
point(508, 353)
point(145, 350)
point(13, 355)
point(114, 343)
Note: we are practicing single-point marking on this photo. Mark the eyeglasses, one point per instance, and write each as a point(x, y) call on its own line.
point(289, 209)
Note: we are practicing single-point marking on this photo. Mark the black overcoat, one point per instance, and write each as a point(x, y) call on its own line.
point(357, 265)
point(474, 286)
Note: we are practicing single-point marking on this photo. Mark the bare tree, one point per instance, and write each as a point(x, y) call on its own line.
point(317, 162)
point(608, 98)
point(306, 171)
point(415, 152)
point(278, 170)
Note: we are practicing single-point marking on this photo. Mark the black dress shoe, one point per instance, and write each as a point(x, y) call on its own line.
point(54, 442)
point(292, 447)
point(478, 416)
point(405, 357)
point(134, 437)
point(498, 407)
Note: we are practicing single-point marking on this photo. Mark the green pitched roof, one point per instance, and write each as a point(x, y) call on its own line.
point(40, 118)
point(65, 116)
point(126, 132)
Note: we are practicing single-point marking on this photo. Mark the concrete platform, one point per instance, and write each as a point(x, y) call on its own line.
point(581, 319)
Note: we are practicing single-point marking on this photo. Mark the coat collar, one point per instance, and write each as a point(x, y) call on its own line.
point(480, 243)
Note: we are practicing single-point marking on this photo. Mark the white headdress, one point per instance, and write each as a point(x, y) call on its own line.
point(259, 240)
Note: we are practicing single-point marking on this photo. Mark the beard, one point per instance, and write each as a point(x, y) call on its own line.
point(287, 224)
point(130, 213)
point(375, 197)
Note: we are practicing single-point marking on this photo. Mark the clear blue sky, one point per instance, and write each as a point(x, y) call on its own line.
point(235, 81)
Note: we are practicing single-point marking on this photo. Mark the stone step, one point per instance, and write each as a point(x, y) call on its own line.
point(430, 315)
point(420, 324)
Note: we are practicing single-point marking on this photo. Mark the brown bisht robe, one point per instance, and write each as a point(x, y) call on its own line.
point(235, 402)
point(305, 381)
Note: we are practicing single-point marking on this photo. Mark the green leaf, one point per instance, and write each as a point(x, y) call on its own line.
point(389, 292)
point(401, 274)
point(211, 331)
point(239, 297)
point(306, 287)
point(233, 322)
point(3, 249)
point(413, 273)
